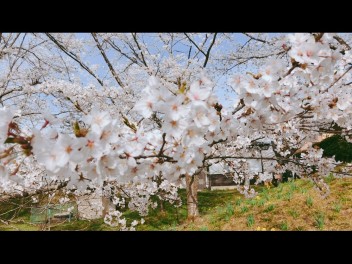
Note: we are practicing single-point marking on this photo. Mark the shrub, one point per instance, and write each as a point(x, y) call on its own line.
point(338, 146)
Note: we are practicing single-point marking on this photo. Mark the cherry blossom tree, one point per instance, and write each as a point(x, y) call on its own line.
point(157, 118)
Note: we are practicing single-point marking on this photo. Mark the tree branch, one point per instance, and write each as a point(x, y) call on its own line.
point(162, 146)
point(342, 42)
point(257, 39)
point(112, 70)
point(195, 44)
point(208, 52)
point(136, 41)
point(74, 57)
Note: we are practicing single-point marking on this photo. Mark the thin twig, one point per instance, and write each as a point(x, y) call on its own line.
point(74, 57)
point(112, 70)
point(208, 52)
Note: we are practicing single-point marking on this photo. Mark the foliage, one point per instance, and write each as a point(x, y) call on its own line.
point(337, 146)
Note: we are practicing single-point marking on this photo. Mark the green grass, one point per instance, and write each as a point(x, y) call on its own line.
point(229, 209)
point(284, 226)
point(170, 219)
point(293, 213)
point(261, 202)
point(250, 220)
point(269, 208)
point(280, 188)
point(244, 209)
point(285, 207)
point(251, 202)
point(329, 178)
point(303, 190)
point(238, 202)
point(337, 207)
point(320, 220)
point(288, 196)
point(293, 186)
point(309, 201)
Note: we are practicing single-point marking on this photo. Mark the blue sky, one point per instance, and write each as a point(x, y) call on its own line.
point(221, 82)
point(96, 59)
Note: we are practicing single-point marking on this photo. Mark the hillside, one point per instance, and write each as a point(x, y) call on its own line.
point(291, 206)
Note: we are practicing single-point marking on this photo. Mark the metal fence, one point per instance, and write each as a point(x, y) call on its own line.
point(54, 212)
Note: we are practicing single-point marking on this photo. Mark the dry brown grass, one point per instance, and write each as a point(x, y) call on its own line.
point(291, 206)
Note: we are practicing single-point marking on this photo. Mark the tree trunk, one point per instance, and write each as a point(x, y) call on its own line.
point(106, 205)
point(192, 196)
point(161, 206)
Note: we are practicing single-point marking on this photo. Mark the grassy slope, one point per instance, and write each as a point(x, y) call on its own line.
point(291, 206)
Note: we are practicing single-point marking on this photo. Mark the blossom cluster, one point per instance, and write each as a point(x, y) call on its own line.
point(184, 130)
